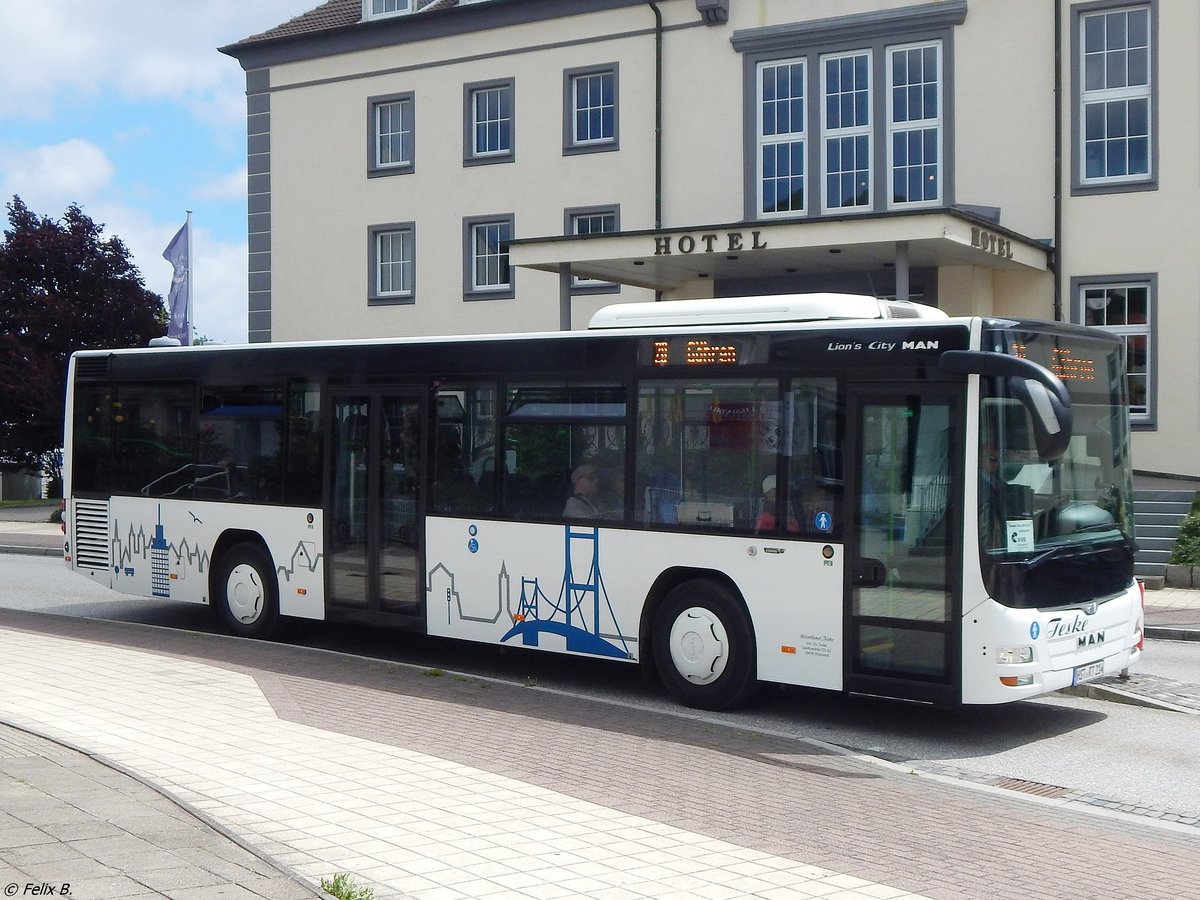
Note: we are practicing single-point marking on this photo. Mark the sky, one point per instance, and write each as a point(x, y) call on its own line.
point(126, 108)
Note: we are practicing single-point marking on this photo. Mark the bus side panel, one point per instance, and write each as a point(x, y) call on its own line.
point(580, 589)
point(163, 548)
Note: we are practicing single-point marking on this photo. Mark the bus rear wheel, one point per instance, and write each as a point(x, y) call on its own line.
point(246, 591)
point(704, 646)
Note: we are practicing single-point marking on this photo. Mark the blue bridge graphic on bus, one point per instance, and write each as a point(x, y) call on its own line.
point(576, 614)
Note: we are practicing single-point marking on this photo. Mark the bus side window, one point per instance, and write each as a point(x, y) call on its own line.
point(705, 451)
point(239, 445)
point(302, 465)
point(814, 454)
point(464, 453)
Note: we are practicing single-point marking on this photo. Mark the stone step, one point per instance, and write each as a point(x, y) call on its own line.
point(1143, 518)
point(1180, 510)
point(1148, 532)
point(1150, 545)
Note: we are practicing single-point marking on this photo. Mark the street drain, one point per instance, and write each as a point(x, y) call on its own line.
point(1030, 787)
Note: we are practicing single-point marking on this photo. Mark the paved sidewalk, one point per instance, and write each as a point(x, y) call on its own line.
point(81, 826)
point(208, 767)
point(451, 787)
point(406, 823)
point(33, 536)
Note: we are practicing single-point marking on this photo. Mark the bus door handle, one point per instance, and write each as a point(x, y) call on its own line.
point(869, 573)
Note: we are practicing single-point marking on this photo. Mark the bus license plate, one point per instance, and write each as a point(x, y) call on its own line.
point(1090, 672)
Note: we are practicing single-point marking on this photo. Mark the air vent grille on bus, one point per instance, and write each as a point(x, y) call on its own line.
point(89, 521)
point(91, 367)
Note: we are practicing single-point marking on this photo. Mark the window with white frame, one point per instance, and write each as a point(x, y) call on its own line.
point(391, 134)
point(915, 124)
point(382, 9)
point(879, 87)
point(489, 117)
point(591, 109)
point(599, 220)
point(392, 261)
point(1115, 68)
point(846, 130)
point(1125, 309)
point(781, 137)
point(486, 267)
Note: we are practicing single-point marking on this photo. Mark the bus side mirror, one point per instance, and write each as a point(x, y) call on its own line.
point(1037, 388)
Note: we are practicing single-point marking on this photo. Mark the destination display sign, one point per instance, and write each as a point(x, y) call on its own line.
point(1064, 362)
point(697, 351)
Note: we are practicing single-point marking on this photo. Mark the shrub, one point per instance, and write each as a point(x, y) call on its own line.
point(1187, 547)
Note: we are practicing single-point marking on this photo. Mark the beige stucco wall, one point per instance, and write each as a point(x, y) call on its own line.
point(1157, 232)
point(323, 203)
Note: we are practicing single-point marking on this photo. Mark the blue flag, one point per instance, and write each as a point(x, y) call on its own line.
point(179, 301)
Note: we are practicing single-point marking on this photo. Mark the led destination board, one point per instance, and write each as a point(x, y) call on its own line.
point(727, 350)
point(1063, 362)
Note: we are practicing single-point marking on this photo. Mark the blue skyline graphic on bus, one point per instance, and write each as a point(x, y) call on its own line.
point(576, 614)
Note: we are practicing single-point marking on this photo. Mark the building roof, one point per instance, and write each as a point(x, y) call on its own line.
point(329, 15)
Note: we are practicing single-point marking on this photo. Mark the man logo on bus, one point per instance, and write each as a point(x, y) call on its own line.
point(823, 521)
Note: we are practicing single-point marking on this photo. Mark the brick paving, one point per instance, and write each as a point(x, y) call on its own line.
point(624, 803)
point(451, 786)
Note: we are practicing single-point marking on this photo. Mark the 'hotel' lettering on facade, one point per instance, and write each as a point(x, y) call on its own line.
point(991, 243)
point(729, 242)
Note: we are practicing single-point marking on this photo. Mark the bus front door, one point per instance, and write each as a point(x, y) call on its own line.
point(374, 539)
point(902, 593)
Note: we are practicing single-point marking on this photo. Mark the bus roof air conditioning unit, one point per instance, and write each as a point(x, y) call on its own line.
point(759, 310)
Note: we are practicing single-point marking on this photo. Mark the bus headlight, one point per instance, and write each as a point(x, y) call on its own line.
point(1011, 656)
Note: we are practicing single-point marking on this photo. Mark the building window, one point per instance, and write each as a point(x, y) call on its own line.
point(391, 135)
point(781, 137)
point(392, 263)
point(487, 275)
point(873, 90)
point(1115, 62)
point(489, 121)
point(915, 124)
point(382, 9)
point(846, 130)
point(588, 221)
point(1126, 308)
point(590, 110)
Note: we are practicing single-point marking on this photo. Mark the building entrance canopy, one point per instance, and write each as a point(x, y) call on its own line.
point(668, 259)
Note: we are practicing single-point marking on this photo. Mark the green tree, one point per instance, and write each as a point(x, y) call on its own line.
point(63, 287)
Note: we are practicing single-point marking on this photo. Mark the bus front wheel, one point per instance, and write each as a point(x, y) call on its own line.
point(246, 591)
point(704, 646)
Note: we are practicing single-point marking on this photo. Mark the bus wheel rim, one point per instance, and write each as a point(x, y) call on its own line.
point(245, 594)
point(699, 645)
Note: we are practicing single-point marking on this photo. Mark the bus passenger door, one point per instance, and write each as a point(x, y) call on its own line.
point(374, 540)
point(903, 544)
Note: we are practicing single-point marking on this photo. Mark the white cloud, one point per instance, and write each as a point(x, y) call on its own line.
point(219, 300)
point(140, 49)
point(227, 187)
point(61, 57)
point(50, 178)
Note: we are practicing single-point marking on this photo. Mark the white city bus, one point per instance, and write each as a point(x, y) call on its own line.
point(831, 491)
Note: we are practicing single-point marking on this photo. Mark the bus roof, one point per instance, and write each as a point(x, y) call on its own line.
point(759, 310)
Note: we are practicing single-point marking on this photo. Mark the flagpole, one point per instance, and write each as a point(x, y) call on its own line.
point(190, 277)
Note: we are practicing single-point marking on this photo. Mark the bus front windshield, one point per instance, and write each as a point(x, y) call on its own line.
point(1056, 531)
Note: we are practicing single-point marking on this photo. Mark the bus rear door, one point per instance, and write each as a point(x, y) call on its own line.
point(375, 502)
